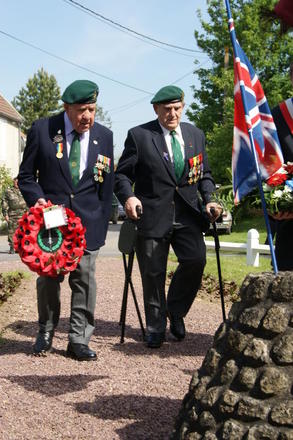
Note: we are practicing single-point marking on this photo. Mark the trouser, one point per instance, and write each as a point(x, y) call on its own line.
point(284, 244)
point(83, 300)
point(152, 254)
point(12, 225)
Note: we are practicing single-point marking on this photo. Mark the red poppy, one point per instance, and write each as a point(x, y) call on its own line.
point(34, 222)
point(74, 224)
point(77, 252)
point(288, 167)
point(33, 261)
point(28, 243)
point(277, 179)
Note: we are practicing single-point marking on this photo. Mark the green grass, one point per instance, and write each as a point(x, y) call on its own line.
point(234, 268)
point(240, 229)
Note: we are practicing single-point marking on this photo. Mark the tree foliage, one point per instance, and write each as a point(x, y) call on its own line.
point(5, 181)
point(270, 55)
point(103, 117)
point(39, 98)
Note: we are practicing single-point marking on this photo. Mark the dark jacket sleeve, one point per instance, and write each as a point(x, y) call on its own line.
point(125, 172)
point(206, 185)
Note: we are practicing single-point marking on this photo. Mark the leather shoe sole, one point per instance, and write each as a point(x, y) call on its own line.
point(177, 328)
point(80, 352)
point(155, 340)
point(43, 343)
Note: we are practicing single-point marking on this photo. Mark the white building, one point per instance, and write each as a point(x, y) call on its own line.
point(11, 141)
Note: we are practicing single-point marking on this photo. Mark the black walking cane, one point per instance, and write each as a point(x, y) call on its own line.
point(126, 245)
point(217, 248)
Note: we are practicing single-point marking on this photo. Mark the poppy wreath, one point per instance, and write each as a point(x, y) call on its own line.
point(49, 252)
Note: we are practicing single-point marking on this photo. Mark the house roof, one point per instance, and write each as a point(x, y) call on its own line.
point(7, 110)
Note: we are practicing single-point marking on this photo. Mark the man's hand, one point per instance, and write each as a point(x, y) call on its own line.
point(7, 218)
point(131, 205)
point(214, 210)
point(40, 202)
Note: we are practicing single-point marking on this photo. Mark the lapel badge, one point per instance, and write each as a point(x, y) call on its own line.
point(95, 142)
point(59, 131)
point(166, 156)
point(57, 139)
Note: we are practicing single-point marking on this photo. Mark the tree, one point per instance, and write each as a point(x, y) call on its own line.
point(270, 55)
point(5, 181)
point(103, 117)
point(39, 98)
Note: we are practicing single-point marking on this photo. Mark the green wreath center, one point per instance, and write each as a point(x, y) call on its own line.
point(50, 240)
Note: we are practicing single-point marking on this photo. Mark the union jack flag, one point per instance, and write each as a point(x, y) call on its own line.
point(253, 122)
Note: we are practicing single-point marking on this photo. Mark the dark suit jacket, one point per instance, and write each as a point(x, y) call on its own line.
point(284, 134)
point(145, 161)
point(43, 175)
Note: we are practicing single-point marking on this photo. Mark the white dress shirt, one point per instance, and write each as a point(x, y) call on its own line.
point(84, 143)
point(168, 138)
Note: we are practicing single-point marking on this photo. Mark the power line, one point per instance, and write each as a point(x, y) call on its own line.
point(120, 26)
point(128, 105)
point(131, 104)
point(74, 64)
point(127, 33)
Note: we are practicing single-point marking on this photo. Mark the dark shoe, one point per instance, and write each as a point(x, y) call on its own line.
point(177, 327)
point(80, 352)
point(155, 340)
point(43, 343)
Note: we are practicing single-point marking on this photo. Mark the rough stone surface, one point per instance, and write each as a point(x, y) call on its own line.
point(283, 350)
point(247, 377)
point(274, 381)
point(243, 390)
point(282, 413)
point(276, 319)
point(262, 433)
point(229, 371)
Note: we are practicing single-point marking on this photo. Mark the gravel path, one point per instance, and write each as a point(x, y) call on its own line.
point(131, 392)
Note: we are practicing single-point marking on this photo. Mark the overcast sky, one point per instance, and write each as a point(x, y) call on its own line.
point(69, 33)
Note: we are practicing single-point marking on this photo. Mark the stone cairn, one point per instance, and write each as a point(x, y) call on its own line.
point(243, 390)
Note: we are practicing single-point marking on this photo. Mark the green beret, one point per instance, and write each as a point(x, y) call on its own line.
point(168, 94)
point(81, 92)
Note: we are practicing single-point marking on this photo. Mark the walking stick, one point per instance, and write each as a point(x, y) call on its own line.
point(126, 245)
point(217, 248)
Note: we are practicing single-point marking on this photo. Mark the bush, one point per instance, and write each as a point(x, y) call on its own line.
point(9, 282)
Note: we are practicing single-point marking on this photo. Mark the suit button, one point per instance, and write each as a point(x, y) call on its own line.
point(173, 203)
point(176, 188)
point(72, 196)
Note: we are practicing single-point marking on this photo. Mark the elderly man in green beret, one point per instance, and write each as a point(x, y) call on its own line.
point(68, 160)
point(164, 172)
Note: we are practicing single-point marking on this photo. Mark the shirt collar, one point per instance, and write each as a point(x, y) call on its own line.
point(68, 125)
point(166, 131)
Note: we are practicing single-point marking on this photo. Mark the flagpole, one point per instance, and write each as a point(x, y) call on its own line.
point(249, 128)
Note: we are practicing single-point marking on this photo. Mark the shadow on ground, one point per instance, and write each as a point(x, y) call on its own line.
point(54, 385)
point(153, 417)
point(195, 344)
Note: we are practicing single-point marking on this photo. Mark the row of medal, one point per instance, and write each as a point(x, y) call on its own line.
point(196, 169)
point(102, 165)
